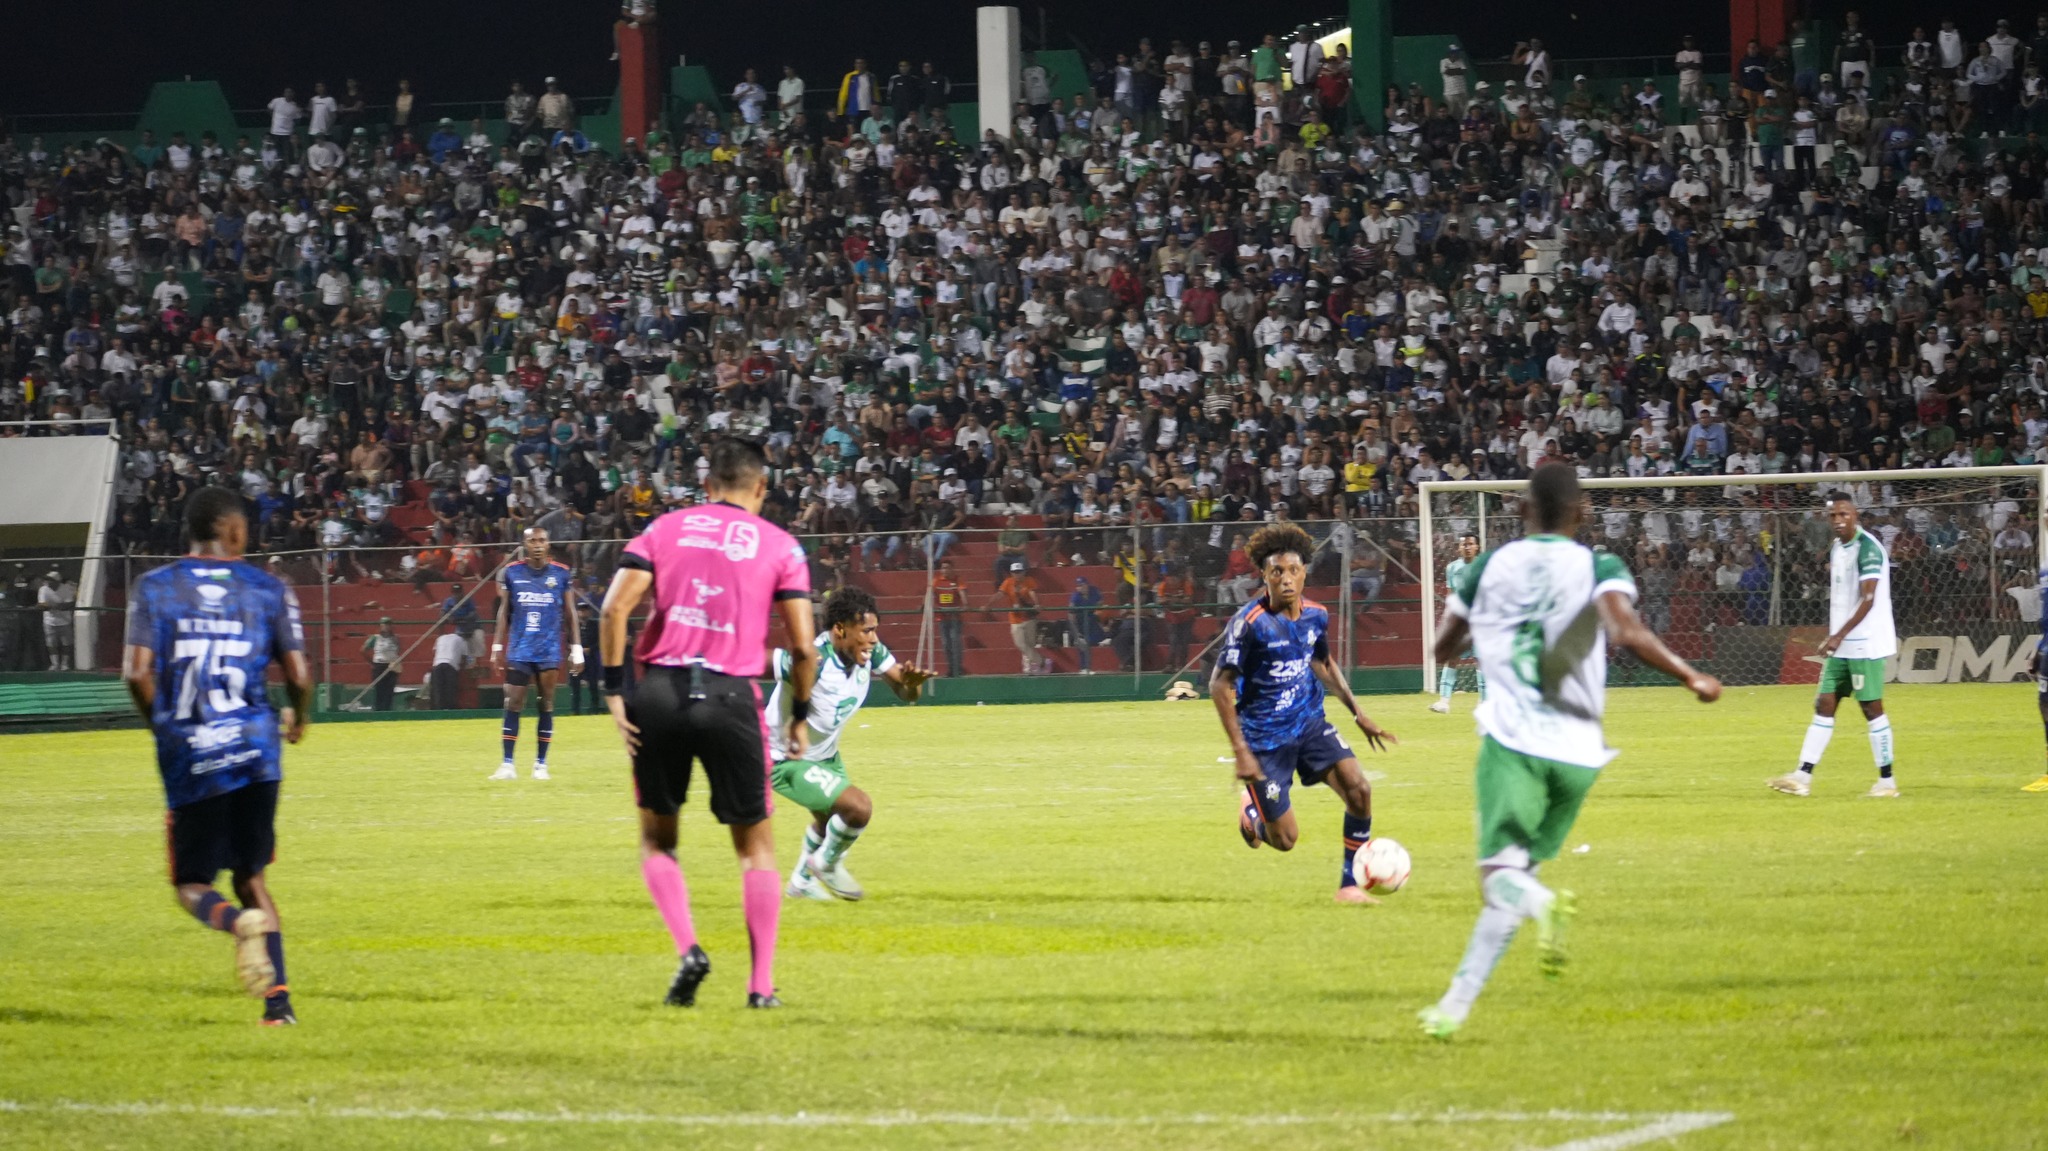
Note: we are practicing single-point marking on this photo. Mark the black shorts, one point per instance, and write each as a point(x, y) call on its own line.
point(233, 831)
point(519, 673)
point(688, 716)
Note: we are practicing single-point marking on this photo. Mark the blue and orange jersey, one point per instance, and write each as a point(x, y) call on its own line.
point(1279, 698)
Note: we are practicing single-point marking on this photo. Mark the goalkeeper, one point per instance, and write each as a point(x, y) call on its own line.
point(849, 655)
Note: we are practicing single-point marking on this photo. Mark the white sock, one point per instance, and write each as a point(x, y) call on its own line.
point(1881, 741)
point(811, 841)
point(1446, 681)
point(838, 841)
point(1490, 938)
point(1818, 732)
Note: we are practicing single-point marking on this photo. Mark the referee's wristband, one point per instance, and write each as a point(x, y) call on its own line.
point(575, 653)
point(799, 709)
point(614, 678)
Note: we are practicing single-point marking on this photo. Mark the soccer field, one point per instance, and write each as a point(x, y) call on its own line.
point(1066, 944)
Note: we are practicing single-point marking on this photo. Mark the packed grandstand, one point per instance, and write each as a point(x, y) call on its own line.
point(1191, 290)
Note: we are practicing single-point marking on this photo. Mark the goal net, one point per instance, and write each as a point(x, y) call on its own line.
point(1733, 571)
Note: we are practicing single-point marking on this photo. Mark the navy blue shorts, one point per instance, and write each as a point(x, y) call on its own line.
point(1311, 757)
point(519, 673)
point(233, 831)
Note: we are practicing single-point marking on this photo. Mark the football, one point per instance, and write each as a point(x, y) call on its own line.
point(1381, 866)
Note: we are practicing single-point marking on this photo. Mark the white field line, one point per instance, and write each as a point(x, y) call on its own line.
point(1655, 1125)
point(1667, 1127)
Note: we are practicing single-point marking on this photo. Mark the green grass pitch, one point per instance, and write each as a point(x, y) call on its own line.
point(1066, 945)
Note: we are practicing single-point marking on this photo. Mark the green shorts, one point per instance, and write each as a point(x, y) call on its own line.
point(1862, 678)
point(1527, 802)
point(812, 784)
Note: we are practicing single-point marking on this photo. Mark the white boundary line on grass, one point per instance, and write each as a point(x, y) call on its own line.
point(1654, 1125)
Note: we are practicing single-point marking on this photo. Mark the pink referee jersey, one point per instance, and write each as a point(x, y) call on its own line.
point(718, 571)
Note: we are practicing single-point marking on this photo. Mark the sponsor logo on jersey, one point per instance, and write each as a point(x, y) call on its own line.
point(705, 591)
point(683, 615)
point(213, 736)
point(536, 597)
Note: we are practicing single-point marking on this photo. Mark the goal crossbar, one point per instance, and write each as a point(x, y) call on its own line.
point(2037, 473)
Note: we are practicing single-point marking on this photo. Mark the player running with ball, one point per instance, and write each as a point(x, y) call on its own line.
point(1268, 690)
point(1860, 636)
point(849, 655)
point(1540, 613)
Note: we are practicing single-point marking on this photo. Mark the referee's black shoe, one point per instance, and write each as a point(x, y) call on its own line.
point(758, 1000)
point(695, 967)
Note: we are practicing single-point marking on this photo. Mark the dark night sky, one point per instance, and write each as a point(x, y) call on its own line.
point(103, 54)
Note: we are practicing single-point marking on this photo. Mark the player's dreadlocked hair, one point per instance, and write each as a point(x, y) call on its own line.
point(1278, 539)
point(848, 605)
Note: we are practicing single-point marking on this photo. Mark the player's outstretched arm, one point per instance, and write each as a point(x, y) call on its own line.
point(1627, 629)
point(629, 587)
point(1333, 677)
point(1452, 634)
point(501, 619)
point(574, 623)
point(907, 680)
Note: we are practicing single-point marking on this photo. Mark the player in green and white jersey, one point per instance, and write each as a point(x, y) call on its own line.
point(1539, 612)
point(1447, 675)
point(849, 654)
point(1860, 636)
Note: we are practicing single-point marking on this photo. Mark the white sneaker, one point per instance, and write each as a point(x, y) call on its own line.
point(1793, 783)
point(1442, 706)
point(836, 879)
point(1883, 789)
point(540, 771)
point(505, 772)
point(803, 885)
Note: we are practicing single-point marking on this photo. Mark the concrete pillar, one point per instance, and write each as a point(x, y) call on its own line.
point(639, 79)
point(998, 48)
point(1372, 58)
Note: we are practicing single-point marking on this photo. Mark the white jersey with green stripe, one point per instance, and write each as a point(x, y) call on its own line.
point(1537, 634)
point(835, 698)
point(1849, 564)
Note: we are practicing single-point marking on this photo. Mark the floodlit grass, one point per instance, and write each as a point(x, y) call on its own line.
point(1062, 925)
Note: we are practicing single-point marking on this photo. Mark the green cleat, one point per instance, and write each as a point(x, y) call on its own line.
point(1438, 1024)
point(1550, 929)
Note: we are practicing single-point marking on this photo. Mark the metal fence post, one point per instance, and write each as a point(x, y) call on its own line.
point(326, 635)
point(1137, 608)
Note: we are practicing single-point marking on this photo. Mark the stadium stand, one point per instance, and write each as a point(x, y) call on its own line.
point(1194, 290)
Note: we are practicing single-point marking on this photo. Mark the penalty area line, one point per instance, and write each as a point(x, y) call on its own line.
point(1652, 1125)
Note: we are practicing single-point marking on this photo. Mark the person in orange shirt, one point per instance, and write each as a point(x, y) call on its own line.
point(949, 600)
point(1020, 595)
point(1176, 594)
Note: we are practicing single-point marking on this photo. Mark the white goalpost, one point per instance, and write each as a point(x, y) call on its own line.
point(1732, 570)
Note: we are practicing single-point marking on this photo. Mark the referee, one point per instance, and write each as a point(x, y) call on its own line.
point(717, 571)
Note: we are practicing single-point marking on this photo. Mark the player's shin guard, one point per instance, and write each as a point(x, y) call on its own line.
point(544, 730)
point(1818, 731)
point(510, 734)
point(839, 839)
point(274, 943)
point(671, 897)
point(1513, 889)
point(1356, 831)
point(761, 896)
point(216, 912)
point(1881, 745)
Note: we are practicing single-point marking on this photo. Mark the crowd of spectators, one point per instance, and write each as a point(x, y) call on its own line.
point(1199, 291)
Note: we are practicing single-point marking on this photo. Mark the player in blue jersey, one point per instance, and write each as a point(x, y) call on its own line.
point(1268, 689)
point(2037, 666)
point(203, 633)
point(534, 606)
